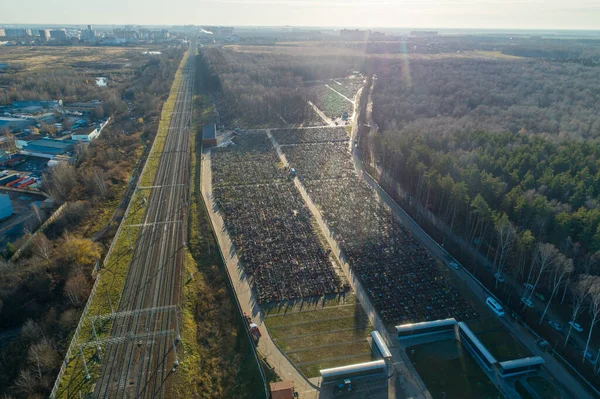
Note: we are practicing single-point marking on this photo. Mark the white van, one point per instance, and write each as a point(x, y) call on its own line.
point(495, 306)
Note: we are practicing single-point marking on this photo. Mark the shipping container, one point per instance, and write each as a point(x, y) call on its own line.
point(15, 182)
point(8, 179)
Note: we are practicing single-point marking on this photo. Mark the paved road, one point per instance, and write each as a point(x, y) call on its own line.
point(140, 365)
point(560, 373)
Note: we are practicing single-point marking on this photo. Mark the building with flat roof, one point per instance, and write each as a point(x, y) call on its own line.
point(209, 135)
point(58, 34)
point(48, 148)
point(6, 208)
point(282, 390)
point(86, 134)
point(15, 123)
point(17, 32)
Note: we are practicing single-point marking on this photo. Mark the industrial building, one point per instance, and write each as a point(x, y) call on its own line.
point(48, 148)
point(15, 123)
point(45, 104)
point(209, 135)
point(86, 134)
point(6, 208)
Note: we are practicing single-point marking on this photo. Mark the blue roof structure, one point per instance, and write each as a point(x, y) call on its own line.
point(50, 146)
point(209, 131)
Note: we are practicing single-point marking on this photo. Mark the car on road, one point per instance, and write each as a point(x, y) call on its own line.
point(540, 296)
point(527, 302)
point(555, 325)
point(454, 265)
point(495, 306)
point(576, 326)
point(528, 286)
point(499, 277)
point(589, 357)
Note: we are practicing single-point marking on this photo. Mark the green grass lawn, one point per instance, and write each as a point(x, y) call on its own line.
point(321, 334)
point(449, 371)
point(331, 103)
point(501, 344)
point(543, 387)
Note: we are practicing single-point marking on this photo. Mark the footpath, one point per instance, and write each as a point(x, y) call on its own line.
point(411, 385)
point(266, 347)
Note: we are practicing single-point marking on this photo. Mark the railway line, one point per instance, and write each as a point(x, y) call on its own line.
point(141, 351)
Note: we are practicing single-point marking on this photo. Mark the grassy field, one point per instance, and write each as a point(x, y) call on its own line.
point(331, 103)
point(113, 275)
point(501, 344)
point(322, 334)
point(216, 360)
point(38, 58)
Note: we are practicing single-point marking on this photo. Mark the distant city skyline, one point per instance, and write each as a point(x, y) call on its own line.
point(474, 14)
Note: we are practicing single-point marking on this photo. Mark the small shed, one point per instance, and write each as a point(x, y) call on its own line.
point(6, 208)
point(209, 135)
point(282, 390)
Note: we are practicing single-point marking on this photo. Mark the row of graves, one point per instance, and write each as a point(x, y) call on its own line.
point(269, 223)
point(403, 281)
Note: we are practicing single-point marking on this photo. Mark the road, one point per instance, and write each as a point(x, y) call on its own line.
point(140, 355)
point(561, 375)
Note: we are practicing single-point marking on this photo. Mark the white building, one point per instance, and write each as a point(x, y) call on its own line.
point(86, 134)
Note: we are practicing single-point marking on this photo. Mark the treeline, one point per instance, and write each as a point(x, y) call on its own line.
point(495, 149)
point(42, 295)
point(261, 88)
point(583, 51)
point(529, 204)
point(449, 95)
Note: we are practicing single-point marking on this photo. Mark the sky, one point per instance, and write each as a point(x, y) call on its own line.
point(493, 14)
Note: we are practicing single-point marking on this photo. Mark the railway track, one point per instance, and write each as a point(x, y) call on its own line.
point(139, 366)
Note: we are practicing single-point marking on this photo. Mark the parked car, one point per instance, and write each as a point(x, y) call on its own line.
point(540, 296)
point(499, 277)
point(527, 302)
point(555, 325)
point(528, 286)
point(589, 357)
point(576, 326)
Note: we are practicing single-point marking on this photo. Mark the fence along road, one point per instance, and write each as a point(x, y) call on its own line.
point(139, 360)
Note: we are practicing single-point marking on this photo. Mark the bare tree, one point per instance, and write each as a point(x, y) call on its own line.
point(545, 256)
point(77, 288)
point(594, 303)
point(60, 180)
point(561, 269)
point(579, 292)
point(43, 247)
point(99, 182)
point(590, 261)
point(507, 233)
point(42, 356)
